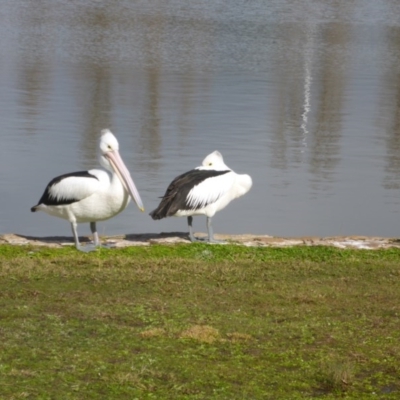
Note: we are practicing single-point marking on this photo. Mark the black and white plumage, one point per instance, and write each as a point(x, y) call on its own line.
point(202, 191)
point(91, 196)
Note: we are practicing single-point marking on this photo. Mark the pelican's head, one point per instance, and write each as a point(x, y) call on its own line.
point(215, 161)
point(111, 160)
point(108, 142)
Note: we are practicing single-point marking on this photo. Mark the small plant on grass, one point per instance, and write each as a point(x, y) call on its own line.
point(336, 376)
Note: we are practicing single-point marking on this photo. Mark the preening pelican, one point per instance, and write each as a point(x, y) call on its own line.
point(202, 191)
point(91, 196)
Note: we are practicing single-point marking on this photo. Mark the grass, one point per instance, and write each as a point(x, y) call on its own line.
point(199, 322)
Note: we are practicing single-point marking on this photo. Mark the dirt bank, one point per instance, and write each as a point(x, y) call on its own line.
point(356, 242)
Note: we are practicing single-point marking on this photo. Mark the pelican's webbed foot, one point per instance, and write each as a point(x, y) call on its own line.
point(86, 248)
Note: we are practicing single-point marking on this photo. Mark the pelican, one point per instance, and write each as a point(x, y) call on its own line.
point(91, 196)
point(202, 191)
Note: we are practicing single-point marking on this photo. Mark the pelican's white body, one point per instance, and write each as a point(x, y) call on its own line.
point(217, 192)
point(99, 199)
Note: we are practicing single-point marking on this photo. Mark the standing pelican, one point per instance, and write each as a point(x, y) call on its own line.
point(91, 196)
point(202, 191)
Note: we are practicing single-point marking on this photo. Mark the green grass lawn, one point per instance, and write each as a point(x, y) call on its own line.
point(199, 322)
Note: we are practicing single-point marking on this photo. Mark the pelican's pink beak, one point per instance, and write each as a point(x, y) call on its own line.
point(125, 177)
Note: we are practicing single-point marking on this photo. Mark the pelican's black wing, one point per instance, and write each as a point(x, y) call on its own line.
point(176, 196)
point(68, 188)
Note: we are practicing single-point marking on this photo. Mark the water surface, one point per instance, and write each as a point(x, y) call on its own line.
point(302, 95)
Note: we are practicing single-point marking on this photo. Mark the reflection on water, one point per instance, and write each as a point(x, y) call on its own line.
point(303, 96)
point(389, 113)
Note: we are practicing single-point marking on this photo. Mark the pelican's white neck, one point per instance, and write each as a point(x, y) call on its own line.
point(105, 163)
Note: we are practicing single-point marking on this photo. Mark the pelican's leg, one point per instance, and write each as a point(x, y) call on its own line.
point(75, 233)
point(76, 238)
point(96, 240)
point(192, 238)
point(211, 238)
point(94, 233)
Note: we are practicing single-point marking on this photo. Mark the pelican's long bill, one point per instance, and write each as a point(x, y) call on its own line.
point(120, 169)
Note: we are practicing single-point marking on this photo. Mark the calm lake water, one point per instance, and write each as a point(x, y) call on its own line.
point(302, 95)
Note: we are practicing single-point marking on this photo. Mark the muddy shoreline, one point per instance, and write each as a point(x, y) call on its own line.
point(147, 239)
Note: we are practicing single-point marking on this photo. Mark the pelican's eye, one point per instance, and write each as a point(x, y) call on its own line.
point(209, 164)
